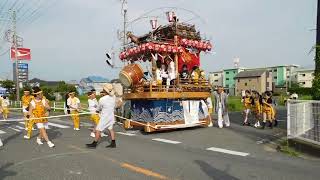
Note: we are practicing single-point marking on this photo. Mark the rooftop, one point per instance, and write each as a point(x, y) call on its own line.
point(246, 74)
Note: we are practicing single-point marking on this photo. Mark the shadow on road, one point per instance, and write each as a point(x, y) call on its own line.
point(5, 173)
point(54, 134)
point(214, 173)
point(6, 140)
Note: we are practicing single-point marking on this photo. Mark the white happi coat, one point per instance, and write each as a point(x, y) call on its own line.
point(106, 108)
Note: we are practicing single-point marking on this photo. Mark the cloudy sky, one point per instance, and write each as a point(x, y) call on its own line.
point(69, 38)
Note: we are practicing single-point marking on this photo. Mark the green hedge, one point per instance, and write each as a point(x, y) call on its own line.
point(300, 90)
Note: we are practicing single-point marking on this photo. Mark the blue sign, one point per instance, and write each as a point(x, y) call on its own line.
point(22, 66)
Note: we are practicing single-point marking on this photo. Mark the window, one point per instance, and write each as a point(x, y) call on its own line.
point(227, 72)
point(238, 80)
point(246, 84)
point(268, 84)
point(216, 80)
point(288, 69)
point(227, 85)
point(303, 75)
point(215, 74)
point(227, 79)
point(275, 77)
point(275, 70)
point(288, 77)
point(303, 82)
point(249, 80)
point(234, 72)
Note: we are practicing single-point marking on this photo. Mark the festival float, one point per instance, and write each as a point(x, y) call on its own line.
point(179, 104)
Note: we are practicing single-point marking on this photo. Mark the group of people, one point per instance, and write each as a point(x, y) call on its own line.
point(36, 108)
point(262, 108)
point(166, 74)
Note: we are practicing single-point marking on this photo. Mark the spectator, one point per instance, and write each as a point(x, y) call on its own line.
point(221, 107)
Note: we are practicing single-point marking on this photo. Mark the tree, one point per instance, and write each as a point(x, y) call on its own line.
point(8, 84)
point(64, 88)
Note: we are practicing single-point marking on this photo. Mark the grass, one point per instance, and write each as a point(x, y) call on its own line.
point(284, 148)
point(235, 104)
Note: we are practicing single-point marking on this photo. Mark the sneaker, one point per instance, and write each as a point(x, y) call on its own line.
point(1, 144)
point(26, 137)
point(76, 129)
point(50, 144)
point(93, 145)
point(33, 129)
point(39, 141)
point(93, 134)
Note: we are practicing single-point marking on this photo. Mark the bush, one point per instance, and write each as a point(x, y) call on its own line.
point(315, 89)
point(301, 90)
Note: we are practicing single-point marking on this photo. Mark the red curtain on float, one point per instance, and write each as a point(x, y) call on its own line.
point(189, 59)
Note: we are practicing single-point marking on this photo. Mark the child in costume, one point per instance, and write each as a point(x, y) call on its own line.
point(5, 107)
point(38, 111)
point(74, 105)
point(246, 100)
point(92, 107)
point(257, 107)
point(267, 110)
point(26, 99)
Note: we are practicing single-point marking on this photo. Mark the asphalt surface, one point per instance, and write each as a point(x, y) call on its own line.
point(239, 153)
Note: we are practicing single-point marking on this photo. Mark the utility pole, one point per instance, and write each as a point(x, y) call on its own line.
point(125, 10)
point(14, 44)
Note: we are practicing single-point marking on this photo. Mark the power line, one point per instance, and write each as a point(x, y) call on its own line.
point(5, 52)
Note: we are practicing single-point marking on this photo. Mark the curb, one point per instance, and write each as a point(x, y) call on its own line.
point(305, 147)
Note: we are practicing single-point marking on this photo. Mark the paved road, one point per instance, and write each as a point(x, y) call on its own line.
point(196, 153)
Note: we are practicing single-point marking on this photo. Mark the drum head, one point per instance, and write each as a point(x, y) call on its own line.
point(125, 79)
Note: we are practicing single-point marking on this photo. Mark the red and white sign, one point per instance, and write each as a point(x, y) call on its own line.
point(22, 54)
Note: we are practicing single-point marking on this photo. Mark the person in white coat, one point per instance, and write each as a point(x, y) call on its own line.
point(106, 109)
point(221, 107)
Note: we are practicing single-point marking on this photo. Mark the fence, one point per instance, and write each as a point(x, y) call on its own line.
point(304, 120)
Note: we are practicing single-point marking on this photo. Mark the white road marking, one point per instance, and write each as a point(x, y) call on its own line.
point(166, 141)
point(58, 125)
point(19, 127)
point(126, 134)
point(14, 129)
point(227, 151)
point(2, 132)
point(21, 122)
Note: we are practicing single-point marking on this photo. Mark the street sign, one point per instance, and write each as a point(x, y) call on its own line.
point(21, 54)
point(23, 72)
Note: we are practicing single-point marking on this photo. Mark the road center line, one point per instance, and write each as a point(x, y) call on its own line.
point(142, 171)
point(226, 151)
point(126, 134)
point(124, 165)
point(166, 141)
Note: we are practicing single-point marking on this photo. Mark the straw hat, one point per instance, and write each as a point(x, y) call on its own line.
point(109, 89)
point(36, 90)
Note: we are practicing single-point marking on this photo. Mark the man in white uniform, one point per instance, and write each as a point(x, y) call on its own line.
point(221, 107)
point(106, 109)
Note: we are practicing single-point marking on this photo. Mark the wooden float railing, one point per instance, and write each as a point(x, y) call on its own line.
point(185, 85)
